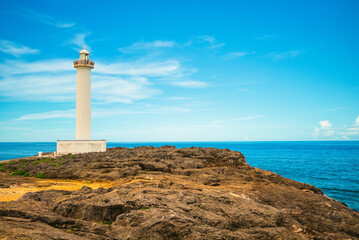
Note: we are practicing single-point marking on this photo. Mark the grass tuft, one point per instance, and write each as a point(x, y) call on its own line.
point(106, 223)
point(41, 175)
point(20, 172)
point(41, 160)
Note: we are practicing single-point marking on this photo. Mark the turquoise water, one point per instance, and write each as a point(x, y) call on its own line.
point(331, 166)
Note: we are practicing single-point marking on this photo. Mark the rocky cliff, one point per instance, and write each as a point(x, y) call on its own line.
point(168, 193)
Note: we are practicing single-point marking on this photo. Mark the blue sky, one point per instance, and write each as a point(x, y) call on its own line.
point(182, 70)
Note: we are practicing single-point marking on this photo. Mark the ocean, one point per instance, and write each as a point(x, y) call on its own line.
point(332, 166)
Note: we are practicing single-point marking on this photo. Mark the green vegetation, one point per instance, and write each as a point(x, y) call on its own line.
point(20, 172)
point(2, 167)
point(41, 160)
point(24, 162)
point(145, 208)
point(70, 155)
point(106, 223)
point(41, 175)
point(56, 164)
point(59, 159)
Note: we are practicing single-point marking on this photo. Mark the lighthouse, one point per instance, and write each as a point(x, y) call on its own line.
point(83, 142)
point(83, 95)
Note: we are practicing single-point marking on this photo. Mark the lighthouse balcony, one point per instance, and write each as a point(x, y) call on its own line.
point(84, 63)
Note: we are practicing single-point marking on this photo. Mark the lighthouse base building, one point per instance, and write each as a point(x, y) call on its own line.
point(80, 146)
point(83, 142)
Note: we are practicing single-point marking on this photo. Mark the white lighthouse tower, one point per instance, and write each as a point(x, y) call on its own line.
point(83, 142)
point(83, 96)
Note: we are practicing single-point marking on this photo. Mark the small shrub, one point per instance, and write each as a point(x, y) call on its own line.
point(59, 159)
point(56, 164)
point(2, 167)
point(106, 223)
point(41, 175)
point(41, 160)
point(70, 155)
point(145, 208)
point(20, 172)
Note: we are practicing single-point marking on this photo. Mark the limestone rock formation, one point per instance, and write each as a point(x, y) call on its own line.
point(170, 193)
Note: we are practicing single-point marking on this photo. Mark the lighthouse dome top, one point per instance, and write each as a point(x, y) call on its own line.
point(84, 51)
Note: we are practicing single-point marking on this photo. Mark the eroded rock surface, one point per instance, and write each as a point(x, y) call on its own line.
point(169, 193)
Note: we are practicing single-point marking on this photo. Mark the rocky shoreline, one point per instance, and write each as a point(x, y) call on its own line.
point(168, 193)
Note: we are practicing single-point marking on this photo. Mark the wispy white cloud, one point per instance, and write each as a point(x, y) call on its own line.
point(198, 127)
point(205, 41)
point(100, 112)
point(115, 81)
point(15, 129)
point(208, 39)
point(190, 84)
point(79, 41)
point(153, 68)
point(214, 46)
point(55, 80)
point(140, 46)
point(280, 56)
point(266, 36)
point(116, 89)
point(325, 124)
point(39, 87)
point(42, 66)
point(190, 127)
point(146, 110)
point(245, 90)
point(234, 55)
point(58, 114)
point(326, 130)
point(238, 119)
point(352, 130)
point(15, 49)
point(179, 98)
point(356, 123)
point(329, 110)
point(316, 132)
point(49, 20)
point(62, 87)
point(211, 42)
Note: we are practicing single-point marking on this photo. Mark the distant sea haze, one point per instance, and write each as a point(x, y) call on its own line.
point(332, 166)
